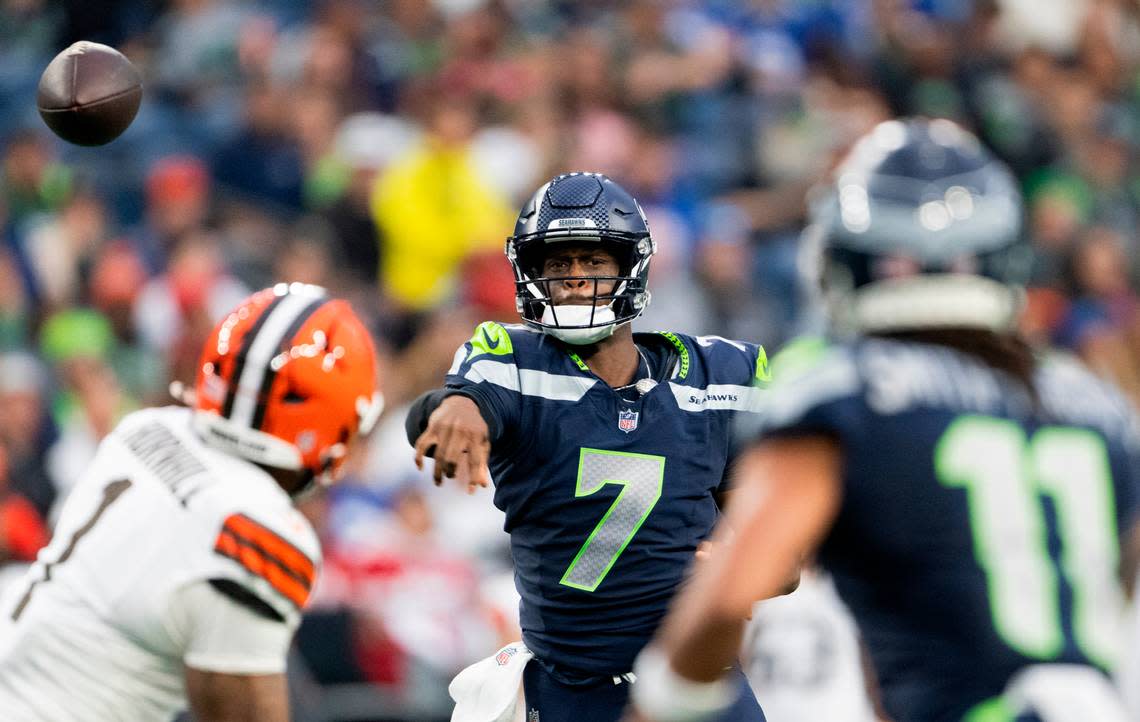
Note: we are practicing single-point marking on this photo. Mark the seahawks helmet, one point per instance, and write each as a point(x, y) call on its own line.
point(919, 230)
point(582, 208)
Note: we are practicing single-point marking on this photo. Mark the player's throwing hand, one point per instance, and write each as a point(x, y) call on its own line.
point(458, 439)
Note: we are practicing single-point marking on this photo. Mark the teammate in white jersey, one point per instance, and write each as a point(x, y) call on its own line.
point(179, 566)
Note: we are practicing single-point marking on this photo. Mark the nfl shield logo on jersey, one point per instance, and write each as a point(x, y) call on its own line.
point(505, 655)
point(627, 420)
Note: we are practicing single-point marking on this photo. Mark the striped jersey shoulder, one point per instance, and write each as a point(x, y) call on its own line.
point(491, 341)
point(715, 359)
point(713, 373)
point(519, 361)
point(275, 555)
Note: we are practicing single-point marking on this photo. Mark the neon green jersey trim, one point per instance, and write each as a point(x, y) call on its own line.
point(995, 709)
point(578, 360)
point(490, 338)
point(681, 349)
point(763, 373)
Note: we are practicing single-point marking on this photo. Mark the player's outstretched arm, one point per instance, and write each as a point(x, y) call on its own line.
point(235, 648)
point(787, 496)
point(458, 438)
point(218, 697)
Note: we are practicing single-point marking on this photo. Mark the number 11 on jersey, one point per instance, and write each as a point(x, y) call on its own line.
point(1007, 477)
point(642, 476)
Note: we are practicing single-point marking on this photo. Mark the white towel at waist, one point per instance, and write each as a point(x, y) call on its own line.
point(488, 691)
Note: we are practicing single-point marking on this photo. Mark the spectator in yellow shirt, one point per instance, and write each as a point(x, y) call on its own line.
point(432, 209)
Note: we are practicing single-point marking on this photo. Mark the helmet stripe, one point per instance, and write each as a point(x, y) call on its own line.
point(262, 348)
point(270, 372)
point(243, 352)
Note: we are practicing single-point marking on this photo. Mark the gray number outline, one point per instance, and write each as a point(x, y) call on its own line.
point(608, 541)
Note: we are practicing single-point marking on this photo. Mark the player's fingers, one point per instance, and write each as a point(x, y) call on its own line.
point(419, 457)
point(455, 458)
point(419, 447)
point(445, 455)
point(424, 444)
point(480, 479)
point(477, 459)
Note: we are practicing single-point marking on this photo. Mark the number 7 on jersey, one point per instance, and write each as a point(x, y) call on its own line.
point(642, 476)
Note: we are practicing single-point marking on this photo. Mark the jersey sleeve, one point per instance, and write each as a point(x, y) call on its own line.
point(266, 561)
point(815, 389)
point(737, 380)
point(219, 634)
point(735, 363)
point(485, 370)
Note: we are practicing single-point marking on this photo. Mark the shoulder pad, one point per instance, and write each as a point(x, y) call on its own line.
point(279, 565)
point(490, 338)
point(725, 360)
point(1071, 391)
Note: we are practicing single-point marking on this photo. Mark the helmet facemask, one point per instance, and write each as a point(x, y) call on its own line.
point(584, 209)
point(625, 294)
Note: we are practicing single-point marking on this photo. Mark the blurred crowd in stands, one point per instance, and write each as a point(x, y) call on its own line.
point(382, 149)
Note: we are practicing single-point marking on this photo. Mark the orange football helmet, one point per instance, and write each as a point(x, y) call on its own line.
point(288, 380)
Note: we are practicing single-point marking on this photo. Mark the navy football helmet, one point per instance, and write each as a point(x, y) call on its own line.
point(920, 229)
point(581, 208)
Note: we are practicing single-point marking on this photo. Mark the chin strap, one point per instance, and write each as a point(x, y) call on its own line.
point(581, 336)
point(579, 325)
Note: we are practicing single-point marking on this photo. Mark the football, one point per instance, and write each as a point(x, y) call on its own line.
point(89, 94)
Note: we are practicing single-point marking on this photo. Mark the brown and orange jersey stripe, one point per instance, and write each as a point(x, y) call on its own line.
point(266, 554)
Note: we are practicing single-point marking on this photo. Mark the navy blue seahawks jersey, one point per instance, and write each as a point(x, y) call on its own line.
point(979, 531)
point(606, 494)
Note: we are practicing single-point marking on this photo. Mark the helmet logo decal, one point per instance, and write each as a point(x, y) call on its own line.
point(559, 223)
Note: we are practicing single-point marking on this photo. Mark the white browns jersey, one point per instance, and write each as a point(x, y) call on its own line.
point(94, 630)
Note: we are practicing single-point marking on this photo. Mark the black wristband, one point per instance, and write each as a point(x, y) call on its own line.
point(421, 410)
point(417, 419)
